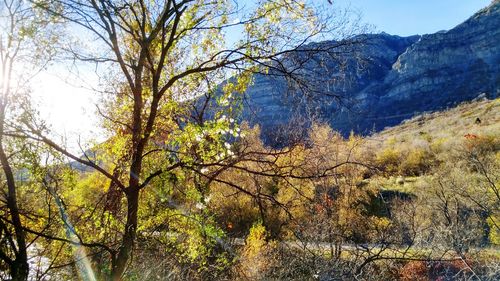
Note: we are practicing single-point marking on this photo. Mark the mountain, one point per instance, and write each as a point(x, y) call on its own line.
point(382, 79)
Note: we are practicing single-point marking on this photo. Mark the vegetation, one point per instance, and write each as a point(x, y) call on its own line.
point(181, 190)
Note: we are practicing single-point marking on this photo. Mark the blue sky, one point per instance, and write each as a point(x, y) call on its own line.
point(409, 17)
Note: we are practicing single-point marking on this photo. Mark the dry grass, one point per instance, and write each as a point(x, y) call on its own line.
point(445, 126)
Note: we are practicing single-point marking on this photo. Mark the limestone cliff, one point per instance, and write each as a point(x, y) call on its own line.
point(385, 79)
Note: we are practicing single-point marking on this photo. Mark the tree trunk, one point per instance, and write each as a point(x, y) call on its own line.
point(120, 264)
point(19, 270)
point(19, 267)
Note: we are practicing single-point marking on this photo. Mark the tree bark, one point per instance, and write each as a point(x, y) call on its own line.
point(19, 268)
point(120, 264)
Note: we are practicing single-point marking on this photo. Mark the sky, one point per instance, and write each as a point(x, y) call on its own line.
point(410, 17)
point(70, 108)
point(67, 105)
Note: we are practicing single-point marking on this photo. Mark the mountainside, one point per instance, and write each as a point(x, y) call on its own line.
point(387, 79)
point(477, 118)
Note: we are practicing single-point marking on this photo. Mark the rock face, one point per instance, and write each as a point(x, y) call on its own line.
point(385, 79)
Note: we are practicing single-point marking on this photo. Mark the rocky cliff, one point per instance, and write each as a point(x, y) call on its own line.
point(384, 79)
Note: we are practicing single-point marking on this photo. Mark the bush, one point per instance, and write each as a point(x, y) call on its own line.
point(417, 162)
point(389, 160)
point(414, 271)
point(436, 270)
point(494, 233)
point(257, 256)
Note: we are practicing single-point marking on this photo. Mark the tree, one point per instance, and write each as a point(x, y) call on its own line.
point(24, 51)
point(161, 55)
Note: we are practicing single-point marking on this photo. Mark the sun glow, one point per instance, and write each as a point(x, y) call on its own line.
point(6, 80)
point(67, 106)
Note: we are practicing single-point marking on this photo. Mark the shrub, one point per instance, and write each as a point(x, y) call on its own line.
point(414, 271)
point(435, 270)
point(389, 160)
point(257, 256)
point(416, 163)
point(494, 234)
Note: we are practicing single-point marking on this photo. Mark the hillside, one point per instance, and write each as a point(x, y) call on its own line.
point(453, 150)
point(478, 118)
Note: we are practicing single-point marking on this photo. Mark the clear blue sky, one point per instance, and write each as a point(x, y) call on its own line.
point(408, 17)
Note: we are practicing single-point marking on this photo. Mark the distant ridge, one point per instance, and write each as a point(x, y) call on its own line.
point(399, 78)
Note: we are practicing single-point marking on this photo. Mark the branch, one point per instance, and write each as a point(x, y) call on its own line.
point(87, 163)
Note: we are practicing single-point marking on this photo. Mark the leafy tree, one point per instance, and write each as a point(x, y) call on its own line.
point(159, 57)
point(24, 50)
